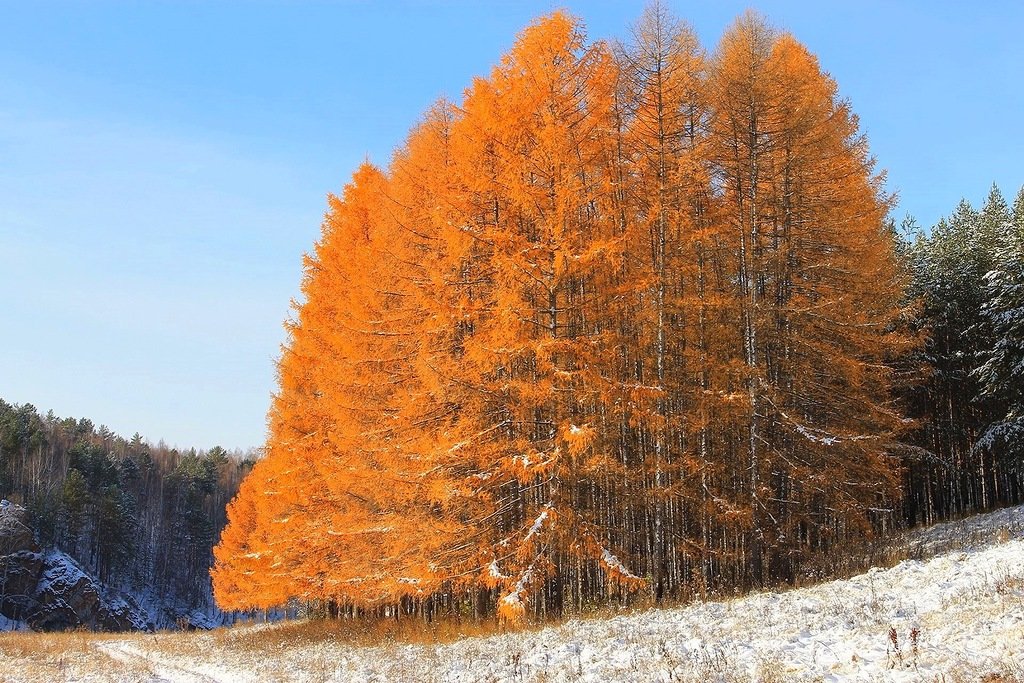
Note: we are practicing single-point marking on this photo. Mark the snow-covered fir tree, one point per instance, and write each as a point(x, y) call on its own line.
point(1002, 365)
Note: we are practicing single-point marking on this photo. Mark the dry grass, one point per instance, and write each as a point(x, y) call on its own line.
point(313, 651)
point(47, 657)
point(359, 632)
point(21, 644)
point(972, 673)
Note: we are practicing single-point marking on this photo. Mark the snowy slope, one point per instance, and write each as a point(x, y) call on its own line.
point(957, 616)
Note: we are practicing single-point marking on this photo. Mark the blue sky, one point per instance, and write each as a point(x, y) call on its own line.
point(163, 165)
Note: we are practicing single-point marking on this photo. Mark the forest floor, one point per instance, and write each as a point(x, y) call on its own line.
point(952, 612)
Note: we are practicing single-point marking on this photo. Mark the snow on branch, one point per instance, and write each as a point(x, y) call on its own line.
point(358, 532)
point(494, 572)
point(821, 436)
point(512, 605)
point(538, 523)
point(615, 566)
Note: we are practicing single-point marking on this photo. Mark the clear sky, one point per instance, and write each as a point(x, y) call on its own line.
point(163, 165)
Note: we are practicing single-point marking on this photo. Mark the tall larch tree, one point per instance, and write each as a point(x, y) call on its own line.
point(534, 144)
point(665, 197)
point(814, 287)
point(346, 514)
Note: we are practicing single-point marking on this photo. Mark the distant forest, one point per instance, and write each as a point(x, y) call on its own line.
point(139, 517)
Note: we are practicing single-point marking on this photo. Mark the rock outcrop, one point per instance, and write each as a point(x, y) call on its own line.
point(20, 562)
point(49, 591)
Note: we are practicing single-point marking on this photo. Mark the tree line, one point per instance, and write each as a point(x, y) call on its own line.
point(626, 318)
point(967, 400)
point(139, 517)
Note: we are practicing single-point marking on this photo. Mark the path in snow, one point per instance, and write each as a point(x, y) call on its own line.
point(162, 670)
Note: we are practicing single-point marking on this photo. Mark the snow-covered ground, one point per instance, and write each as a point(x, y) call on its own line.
point(954, 616)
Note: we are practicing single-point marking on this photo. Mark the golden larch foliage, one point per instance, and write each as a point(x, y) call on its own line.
point(619, 320)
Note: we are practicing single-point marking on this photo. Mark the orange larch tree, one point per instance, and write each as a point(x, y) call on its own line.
point(620, 318)
point(815, 295)
point(664, 199)
point(542, 248)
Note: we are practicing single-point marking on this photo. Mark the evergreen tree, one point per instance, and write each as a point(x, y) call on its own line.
point(1001, 372)
point(962, 275)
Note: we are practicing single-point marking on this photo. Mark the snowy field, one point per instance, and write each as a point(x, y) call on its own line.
point(956, 615)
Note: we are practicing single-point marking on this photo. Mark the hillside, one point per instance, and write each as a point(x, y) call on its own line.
point(136, 518)
point(961, 593)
